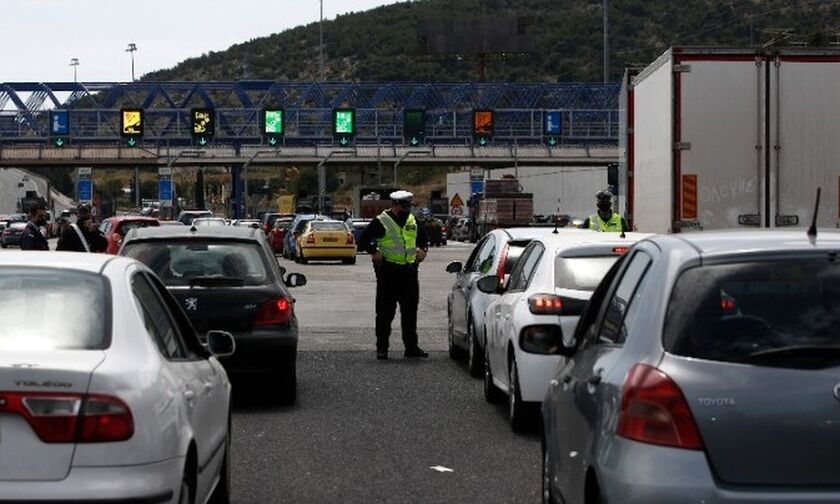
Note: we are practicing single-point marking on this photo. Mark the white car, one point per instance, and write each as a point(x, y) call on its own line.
point(540, 306)
point(106, 393)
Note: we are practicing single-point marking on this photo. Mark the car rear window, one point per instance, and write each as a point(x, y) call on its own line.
point(514, 252)
point(756, 312)
point(52, 309)
point(581, 273)
point(329, 226)
point(125, 227)
point(182, 263)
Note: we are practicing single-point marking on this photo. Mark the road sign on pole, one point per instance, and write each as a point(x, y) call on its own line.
point(414, 127)
point(203, 122)
point(84, 191)
point(484, 122)
point(553, 127)
point(131, 126)
point(59, 127)
point(344, 125)
point(274, 126)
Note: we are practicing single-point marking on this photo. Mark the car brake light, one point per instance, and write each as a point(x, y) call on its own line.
point(654, 411)
point(545, 304)
point(68, 418)
point(274, 312)
point(310, 238)
point(728, 305)
point(350, 239)
point(621, 250)
point(500, 270)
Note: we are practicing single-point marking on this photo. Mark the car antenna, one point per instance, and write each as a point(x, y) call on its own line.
point(623, 234)
point(812, 231)
point(193, 229)
point(557, 218)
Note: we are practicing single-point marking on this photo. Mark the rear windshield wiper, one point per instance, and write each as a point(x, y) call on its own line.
point(801, 351)
point(216, 281)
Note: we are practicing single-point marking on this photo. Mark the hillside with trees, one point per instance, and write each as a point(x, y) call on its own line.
point(382, 44)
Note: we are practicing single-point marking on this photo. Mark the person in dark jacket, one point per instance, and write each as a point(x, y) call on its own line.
point(396, 244)
point(32, 239)
point(83, 236)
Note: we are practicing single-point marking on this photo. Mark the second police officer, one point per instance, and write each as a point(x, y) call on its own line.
point(396, 245)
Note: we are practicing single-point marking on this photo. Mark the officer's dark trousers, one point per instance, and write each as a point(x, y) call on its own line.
point(396, 284)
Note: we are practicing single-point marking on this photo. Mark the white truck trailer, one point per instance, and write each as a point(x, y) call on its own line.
point(733, 138)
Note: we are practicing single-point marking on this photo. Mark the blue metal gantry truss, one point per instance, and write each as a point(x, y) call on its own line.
point(590, 111)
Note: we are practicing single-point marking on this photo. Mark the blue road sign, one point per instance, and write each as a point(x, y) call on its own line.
point(476, 186)
point(165, 190)
point(84, 190)
point(553, 123)
point(59, 123)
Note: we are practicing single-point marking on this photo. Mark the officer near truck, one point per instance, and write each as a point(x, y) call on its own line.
point(397, 245)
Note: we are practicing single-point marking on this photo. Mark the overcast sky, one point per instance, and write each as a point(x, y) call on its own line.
point(39, 37)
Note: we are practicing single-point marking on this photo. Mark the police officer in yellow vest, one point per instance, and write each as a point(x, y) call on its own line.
point(396, 245)
point(605, 221)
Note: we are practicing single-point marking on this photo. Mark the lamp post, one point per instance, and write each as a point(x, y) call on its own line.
point(74, 62)
point(132, 48)
point(321, 43)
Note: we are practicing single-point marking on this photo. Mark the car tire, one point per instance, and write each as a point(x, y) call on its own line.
point(519, 412)
point(3, 244)
point(455, 352)
point(492, 394)
point(221, 495)
point(302, 259)
point(288, 380)
point(349, 261)
point(187, 493)
point(475, 357)
point(547, 497)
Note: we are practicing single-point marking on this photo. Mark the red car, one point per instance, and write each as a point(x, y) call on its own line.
point(115, 229)
point(278, 233)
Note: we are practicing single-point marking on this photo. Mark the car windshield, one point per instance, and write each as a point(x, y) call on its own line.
point(183, 263)
point(328, 226)
point(581, 273)
point(51, 309)
point(745, 311)
point(209, 222)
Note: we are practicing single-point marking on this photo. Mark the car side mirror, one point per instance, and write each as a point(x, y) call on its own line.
point(454, 267)
point(220, 343)
point(282, 271)
point(489, 284)
point(295, 280)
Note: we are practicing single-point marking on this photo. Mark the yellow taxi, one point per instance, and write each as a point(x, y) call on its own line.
point(326, 240)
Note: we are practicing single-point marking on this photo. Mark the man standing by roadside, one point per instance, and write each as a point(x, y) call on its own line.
point(396, 245)
point(32, 239)
point(83, 235)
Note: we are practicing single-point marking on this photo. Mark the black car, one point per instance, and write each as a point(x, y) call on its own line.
point(227, 278)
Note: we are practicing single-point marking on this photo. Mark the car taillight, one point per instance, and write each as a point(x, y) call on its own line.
point(350, 239)
point(654, 411)
point(545, 304)
point(621, 250)
point(69, 418)
point(500, 270)
point(310, 238)
point(274, 312)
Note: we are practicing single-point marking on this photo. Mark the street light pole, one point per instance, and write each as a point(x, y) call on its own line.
point(74, 62)
point(606, 41)
point(132, 47)
point(321, 44)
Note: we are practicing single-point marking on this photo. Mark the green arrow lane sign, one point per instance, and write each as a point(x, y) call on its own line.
point(552, 141)
point(343, 141)
point(131, 142)
point(414, 141)
point(272, 141)
point(202, 141)
point(482, 141)
point(59, 142)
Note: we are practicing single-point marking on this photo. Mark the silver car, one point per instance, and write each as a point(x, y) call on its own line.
point(705, 369)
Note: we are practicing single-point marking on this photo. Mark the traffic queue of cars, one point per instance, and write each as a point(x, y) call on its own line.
point(115, 372)
point(711, 357)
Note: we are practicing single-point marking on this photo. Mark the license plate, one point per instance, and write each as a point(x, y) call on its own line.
point(331, 240)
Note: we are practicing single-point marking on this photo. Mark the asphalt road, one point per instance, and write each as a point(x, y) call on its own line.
point(371, 431)
point(10, 193)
